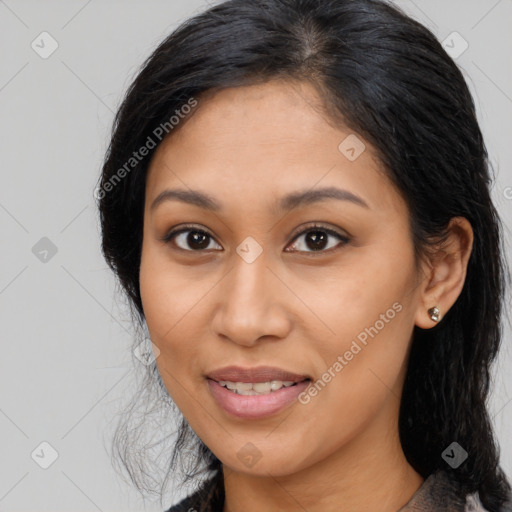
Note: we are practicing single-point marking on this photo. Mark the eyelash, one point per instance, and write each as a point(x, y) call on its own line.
point(314, 227)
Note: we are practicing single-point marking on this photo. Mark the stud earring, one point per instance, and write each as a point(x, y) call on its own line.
point(434, 314)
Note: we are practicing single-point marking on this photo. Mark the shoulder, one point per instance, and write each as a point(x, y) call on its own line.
point(441, 492)
point(473, 504)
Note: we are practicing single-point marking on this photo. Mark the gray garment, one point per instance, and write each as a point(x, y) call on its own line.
point(441, 493)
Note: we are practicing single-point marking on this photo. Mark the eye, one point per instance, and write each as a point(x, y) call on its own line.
point(317, 239)
point(196, 238)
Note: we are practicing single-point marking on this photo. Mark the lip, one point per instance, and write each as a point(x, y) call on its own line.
point(255, 406)
point(256, 374)
point(252, 407)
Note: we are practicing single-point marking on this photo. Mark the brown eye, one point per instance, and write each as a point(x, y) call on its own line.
point(190, 239)
point(316, 239)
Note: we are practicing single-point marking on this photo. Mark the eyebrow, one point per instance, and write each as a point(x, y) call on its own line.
point(286, 203)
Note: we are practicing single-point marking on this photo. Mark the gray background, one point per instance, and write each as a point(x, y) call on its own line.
point(65, 363)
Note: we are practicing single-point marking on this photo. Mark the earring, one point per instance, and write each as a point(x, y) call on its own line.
point(434, 314)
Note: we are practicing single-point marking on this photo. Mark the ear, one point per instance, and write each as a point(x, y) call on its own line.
point(445, 272)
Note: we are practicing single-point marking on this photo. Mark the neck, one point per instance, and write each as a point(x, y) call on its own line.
point(366, 474)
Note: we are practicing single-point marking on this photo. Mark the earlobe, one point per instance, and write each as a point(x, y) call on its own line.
point(428, 318)
point(445, 279)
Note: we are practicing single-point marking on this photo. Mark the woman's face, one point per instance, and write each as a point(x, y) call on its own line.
point(253, 284)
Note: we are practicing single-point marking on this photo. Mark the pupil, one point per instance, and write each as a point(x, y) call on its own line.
point(197, 240)
point(317, 239)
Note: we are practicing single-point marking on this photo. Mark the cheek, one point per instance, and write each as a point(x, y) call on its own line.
point(156, 293)
point(167, 293)
point(165, 303)
point(170, 302)
point(365, 296)
point(370, 313)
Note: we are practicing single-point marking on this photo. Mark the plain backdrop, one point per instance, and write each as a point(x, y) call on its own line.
point(65, 360)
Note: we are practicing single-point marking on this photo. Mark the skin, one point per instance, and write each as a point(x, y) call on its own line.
point(292, 307)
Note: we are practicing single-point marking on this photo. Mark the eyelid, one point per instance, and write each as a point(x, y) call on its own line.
point(320, 226)
point(312, 226)
point(173, 233)
point(302, 230)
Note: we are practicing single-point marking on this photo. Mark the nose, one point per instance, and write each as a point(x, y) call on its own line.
point(251, 304)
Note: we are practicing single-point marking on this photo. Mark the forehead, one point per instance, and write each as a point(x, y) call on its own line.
point(261, 140)
point(270, 114)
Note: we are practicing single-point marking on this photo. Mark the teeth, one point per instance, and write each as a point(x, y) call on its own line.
point(255, 388)
point(262, 387)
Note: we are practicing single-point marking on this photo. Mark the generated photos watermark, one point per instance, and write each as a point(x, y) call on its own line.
point(343, 360)
point(158, 133)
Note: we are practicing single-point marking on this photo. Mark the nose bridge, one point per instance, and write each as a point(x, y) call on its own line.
point(250, 305)
point(249, 285)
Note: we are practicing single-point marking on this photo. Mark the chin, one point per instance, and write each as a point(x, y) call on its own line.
point(266, 460)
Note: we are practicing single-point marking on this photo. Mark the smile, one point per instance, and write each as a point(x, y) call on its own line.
point(248, 403)
point(256, 388)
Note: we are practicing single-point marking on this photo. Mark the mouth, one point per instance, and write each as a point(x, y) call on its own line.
point(256, 388)
point(252, 393)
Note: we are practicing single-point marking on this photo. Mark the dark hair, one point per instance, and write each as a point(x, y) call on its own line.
point(385, 77)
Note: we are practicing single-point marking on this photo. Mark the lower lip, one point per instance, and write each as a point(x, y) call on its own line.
point(255, 406)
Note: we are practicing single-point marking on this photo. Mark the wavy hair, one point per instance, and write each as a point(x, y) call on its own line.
point(384, 76)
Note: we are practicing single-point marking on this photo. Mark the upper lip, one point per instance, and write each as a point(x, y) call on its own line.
point(256, 374)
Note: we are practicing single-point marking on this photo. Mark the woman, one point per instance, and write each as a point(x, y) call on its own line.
point(296, 202)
